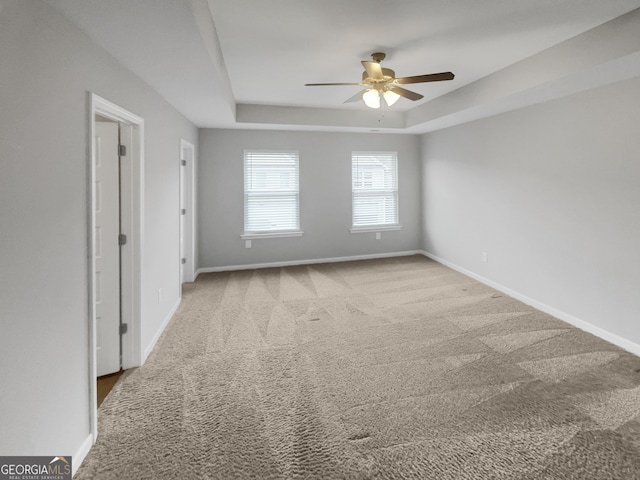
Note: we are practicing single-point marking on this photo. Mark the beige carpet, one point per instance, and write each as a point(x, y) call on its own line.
point(383, 369)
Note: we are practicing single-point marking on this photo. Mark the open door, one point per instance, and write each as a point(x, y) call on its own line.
point(107, 248)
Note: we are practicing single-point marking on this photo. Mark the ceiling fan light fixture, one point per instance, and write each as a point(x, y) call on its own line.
point(390, 97)
point(371, 98)
point(382, 83)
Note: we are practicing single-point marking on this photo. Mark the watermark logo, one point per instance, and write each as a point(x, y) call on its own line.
point(35, 468)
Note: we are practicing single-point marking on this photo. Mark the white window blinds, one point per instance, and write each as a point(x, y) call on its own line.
point(374, 188)
point(271, 195)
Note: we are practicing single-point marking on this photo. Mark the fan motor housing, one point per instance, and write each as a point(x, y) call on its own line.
point(388, 74)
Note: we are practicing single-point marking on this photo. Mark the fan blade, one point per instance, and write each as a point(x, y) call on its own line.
point(403, 92)
point(328, 84)
point(432, 77)
point(356, 97)
point(374, 70)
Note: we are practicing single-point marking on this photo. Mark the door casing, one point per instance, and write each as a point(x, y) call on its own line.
point(132, 218)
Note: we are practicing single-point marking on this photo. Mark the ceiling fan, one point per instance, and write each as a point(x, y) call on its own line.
point(382, 82)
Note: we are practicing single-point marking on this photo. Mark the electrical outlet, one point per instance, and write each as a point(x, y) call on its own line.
point(247, 244)
point(378, 235)
point(159, 295)
point(485, 257)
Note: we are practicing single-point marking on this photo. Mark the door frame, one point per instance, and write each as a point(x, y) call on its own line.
point(187, 221)
point(132, 224)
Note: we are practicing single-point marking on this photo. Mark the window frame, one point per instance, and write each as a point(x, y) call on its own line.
point(383, 192)
point(296, 231)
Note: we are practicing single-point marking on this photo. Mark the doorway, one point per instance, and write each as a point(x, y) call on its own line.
point(116, 183)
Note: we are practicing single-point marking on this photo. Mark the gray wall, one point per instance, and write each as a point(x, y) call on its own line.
point(552, 194)
point(46, 69)
point(325, 196)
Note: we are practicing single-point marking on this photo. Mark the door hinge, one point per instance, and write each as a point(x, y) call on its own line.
point(183, 211)
point(183, 163)
point(183, 260)
point(123, 328)
point(122, 150)
point(122, 239)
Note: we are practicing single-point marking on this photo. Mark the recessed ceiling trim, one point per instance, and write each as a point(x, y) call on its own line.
point(319, 117)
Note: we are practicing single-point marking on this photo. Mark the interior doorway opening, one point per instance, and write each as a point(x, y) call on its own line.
point(119, 196)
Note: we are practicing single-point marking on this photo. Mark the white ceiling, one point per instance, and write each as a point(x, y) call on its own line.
point(244, 63)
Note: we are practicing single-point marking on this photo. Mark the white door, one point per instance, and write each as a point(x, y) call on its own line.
point(187, 247)
point(183, 213)
point(107, 249)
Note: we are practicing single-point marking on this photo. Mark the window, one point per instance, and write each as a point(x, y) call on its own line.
point(374, 190)
point(271, 195)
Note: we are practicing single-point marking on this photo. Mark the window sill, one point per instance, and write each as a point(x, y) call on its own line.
point(256, 236)
point(374, 228)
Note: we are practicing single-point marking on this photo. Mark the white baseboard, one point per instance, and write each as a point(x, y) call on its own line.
point(156, 337)
point(617, 340)
point(81, 454)
point(307, 262)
